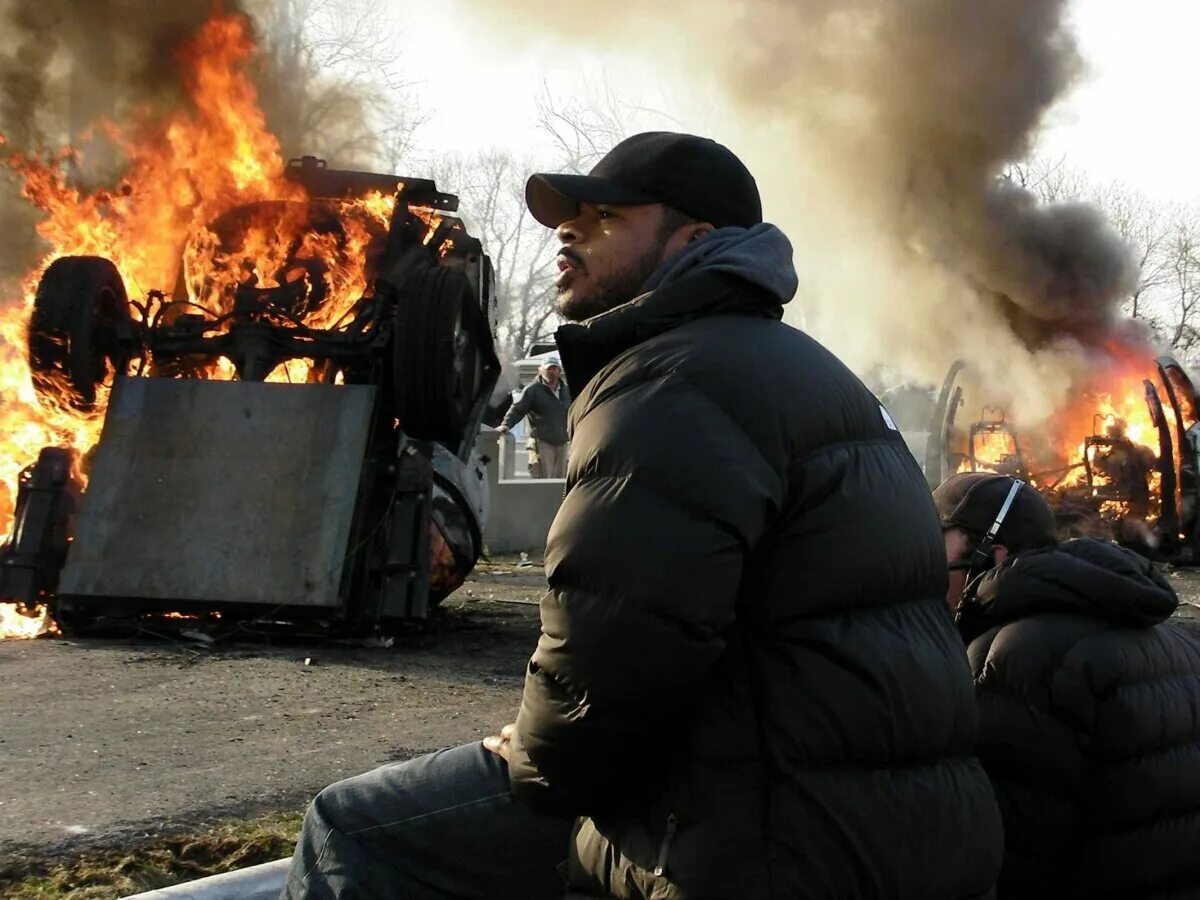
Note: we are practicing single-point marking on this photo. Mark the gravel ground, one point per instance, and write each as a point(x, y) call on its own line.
point(109, 741)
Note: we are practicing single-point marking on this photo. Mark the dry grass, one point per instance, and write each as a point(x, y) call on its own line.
point(112, 874)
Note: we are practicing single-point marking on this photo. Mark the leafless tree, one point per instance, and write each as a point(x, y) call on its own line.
point(1051, 180)
point(584, 126)
point(1152, 229)
point(1147, 227)
point(330, 80)
point(1181, 291)
point(582, 131)
point(491, 185)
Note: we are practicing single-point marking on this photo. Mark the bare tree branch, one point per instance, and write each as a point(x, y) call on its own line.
point(331, 81)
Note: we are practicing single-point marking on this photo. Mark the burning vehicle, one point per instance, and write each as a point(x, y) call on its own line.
point(350, 494)
point(1120, 463)
point(238, 390)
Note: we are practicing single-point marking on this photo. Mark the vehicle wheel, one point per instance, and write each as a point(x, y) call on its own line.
point(80, 316)
point(441, 353)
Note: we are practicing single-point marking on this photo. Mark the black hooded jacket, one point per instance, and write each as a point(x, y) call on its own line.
point(1089, 724)
point(747, 680)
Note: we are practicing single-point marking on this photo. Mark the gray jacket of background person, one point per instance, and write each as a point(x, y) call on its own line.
point(547, 411)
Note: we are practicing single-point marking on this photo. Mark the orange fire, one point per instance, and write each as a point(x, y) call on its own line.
point(15, 624)
point(1111, 406)
point(162, 226)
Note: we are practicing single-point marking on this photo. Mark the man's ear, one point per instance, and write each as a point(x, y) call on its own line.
point(999, 554)
point(684, 235)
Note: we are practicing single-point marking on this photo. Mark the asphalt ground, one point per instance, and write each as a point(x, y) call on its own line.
point(109, 742)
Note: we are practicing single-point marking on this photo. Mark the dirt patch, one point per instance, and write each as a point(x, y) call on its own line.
point(113, 874)
point(118, 743)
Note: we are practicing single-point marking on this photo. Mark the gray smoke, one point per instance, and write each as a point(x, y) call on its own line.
point(66, 65)
point(1060, 269)
point(878, 130)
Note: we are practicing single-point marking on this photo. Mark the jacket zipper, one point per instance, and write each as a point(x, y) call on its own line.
point(661, 869)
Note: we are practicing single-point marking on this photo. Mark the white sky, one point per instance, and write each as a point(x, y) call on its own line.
point(1132, 117)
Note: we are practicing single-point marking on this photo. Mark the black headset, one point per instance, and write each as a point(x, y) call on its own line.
point(981, 556)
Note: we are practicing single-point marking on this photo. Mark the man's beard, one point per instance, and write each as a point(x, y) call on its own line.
point(618, 288)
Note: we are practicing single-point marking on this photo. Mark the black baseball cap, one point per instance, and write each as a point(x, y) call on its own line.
point(972, 500)
point(694, 175)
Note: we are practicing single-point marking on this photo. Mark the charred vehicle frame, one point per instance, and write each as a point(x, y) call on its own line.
point(1115, 469)
point(395, 392)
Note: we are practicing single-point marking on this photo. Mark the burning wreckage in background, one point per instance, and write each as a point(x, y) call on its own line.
point(345, 497)
point(1122, 463)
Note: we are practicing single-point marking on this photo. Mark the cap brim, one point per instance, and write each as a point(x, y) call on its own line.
point(554, 199)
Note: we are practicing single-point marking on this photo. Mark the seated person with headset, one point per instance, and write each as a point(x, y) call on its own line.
point(1089, 701)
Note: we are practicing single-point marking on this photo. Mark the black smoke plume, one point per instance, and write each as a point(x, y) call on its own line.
point(879, 131)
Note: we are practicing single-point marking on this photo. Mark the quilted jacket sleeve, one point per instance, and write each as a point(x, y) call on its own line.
point(666, 496)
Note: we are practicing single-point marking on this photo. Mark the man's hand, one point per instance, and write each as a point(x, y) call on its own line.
point(499, 744)
point(503, 429)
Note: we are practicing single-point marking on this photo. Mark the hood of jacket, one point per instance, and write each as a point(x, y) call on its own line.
point(1085, 576)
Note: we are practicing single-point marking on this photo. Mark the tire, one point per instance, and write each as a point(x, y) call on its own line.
point(80, 315)
point(440, 355)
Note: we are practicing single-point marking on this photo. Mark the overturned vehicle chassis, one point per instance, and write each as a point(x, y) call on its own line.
point(1115, 470)
point(338, 505)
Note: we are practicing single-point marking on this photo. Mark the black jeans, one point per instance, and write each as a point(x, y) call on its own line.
point(444, 825)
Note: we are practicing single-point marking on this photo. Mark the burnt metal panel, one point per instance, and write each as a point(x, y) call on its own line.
point(1181, 390)
point(1169, 514)
point(404, 573)
point(1182, 396)
point(221, 492)
point(937, 449)
point(47, 496)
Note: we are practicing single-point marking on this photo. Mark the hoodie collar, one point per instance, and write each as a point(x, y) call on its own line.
point(731, 271)
point(1085, 576)
point(760, 255)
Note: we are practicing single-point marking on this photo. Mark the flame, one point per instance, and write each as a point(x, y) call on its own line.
point(1106, 424)
point(16, 624)
point(203, 204)
point(1114, 405)
point(993, 448)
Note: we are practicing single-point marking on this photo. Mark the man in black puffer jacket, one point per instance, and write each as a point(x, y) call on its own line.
point(745, 683)
point(747, 686)
point(1089, 702)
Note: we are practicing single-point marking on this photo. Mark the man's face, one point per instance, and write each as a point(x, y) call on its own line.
point(607, 254)
point(551, 373)
point(958, 549)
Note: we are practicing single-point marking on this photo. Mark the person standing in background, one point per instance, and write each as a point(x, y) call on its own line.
point(544, 401)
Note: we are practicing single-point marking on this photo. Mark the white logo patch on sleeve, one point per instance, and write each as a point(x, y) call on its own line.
point(887, 418)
